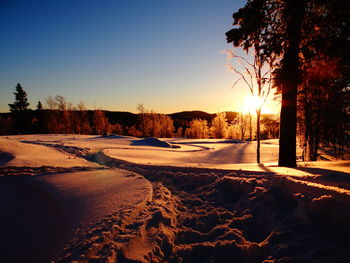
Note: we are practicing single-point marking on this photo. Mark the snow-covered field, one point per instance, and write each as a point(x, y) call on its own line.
point(210, 201)
point(185, 152)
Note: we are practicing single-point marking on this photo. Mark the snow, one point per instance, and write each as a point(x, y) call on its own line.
point(210, 201)
point(16, 153)
point(58, 205)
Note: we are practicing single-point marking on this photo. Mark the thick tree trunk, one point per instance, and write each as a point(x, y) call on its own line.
point(287, 141)
point(290, 75)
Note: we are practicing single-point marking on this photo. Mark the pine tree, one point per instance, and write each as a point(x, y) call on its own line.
point(21, 101)
point(39, 106)
point(41, 124)
point(19, 110)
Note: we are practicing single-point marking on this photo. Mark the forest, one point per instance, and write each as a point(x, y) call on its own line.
point(306, 46)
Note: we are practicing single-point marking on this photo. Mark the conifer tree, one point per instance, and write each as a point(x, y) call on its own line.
point(41, 124)
point(21, 101)
point(19, 110)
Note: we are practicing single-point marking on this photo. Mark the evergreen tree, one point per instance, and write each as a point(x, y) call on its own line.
point(41, 123)
point(21, 101)
point(39, 106)
point(19, 110)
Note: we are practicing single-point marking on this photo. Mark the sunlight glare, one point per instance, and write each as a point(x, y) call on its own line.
point(251, 104)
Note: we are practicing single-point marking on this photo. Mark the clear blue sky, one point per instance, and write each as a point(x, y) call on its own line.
point(116, 54)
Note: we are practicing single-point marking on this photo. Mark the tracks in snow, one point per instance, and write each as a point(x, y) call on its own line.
point(206, 215)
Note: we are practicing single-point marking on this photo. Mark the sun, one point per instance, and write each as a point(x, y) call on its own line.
point(251, 104)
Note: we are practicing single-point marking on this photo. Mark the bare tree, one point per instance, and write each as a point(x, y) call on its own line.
point(256, 75)
point(243, 122)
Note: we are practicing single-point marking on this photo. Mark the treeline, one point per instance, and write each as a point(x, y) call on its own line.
point(59, 116)
point(242, 126)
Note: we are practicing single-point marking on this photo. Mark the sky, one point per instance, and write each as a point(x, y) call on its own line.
point(114, 55)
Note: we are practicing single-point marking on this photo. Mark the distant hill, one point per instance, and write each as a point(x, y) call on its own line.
point(124, 118)
point(183, 118)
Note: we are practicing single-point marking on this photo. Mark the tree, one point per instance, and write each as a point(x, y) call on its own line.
point(5, 125)
point(198, 129)
point(273, 28)
point(39, 106)
point(82, 120)
point(257, 78)
point(298, 33)
point(154, 124)
point(219, 126)
point(243, 122)
point(270, 125)
point(323, 93)
point(61, 102)
point(50, 103)
point(40, 118)
point(142, 122)
point(100, 123)
point(61, 115)
point(179, 133)
point(19, 110)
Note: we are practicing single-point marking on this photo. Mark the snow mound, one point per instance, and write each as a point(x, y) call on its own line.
point(155, 142)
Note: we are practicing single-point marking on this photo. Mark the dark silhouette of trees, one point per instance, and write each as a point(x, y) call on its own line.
point(82, 125)
point(39, 106)
point(273, 29)
point(19, 110)
point(40, 121)
point(270, 126)
point(100, 123)
point(323, 92)
point(6, 124)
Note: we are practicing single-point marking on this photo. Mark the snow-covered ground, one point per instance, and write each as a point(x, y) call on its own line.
point(210, 201)
point(15, 153)
point(40, 214)
point(185, 152)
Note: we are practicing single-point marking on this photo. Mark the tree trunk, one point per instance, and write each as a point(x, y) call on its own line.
point(250, 127)
point(258, 113)
point(290, 75)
